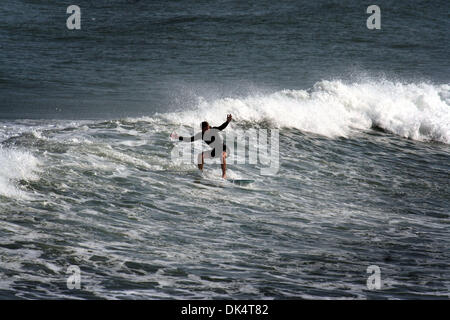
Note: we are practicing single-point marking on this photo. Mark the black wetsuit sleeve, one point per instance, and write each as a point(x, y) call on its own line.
point(222, 126)
point(191, 139)
point(185, 139)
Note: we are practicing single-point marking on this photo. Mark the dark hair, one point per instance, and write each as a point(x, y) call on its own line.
point(205, 125)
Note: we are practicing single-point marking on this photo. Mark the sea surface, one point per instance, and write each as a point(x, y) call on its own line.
point(88, 178)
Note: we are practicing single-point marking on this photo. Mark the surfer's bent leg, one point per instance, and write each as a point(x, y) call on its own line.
point(224, 165)
point(224, 162)
point(200, 161)
point(202, 156)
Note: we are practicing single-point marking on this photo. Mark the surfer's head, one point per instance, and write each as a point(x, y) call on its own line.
point(205, 126)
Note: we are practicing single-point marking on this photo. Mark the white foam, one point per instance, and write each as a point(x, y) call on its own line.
point(418, 111)
point(16, 165)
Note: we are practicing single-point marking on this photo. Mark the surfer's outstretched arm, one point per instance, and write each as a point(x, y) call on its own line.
point(197, 136)
point(225, 124)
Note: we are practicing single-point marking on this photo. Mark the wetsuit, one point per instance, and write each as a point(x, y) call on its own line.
point(209, 136)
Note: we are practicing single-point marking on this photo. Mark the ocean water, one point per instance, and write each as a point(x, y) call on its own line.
point(87, 178)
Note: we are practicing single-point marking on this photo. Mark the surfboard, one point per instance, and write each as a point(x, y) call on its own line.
point(241, 182)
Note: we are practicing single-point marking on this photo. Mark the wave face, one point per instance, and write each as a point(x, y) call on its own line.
point(418, 111)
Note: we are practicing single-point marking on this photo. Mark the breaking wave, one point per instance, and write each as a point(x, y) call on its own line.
point(418, 111)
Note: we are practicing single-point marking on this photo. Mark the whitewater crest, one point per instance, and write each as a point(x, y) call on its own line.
point(335, 108)
point(16, 165)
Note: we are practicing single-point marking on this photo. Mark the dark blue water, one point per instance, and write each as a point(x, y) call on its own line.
point(87, 178)
point(138, 57)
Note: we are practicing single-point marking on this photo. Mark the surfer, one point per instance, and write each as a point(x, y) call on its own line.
point(211, 136)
